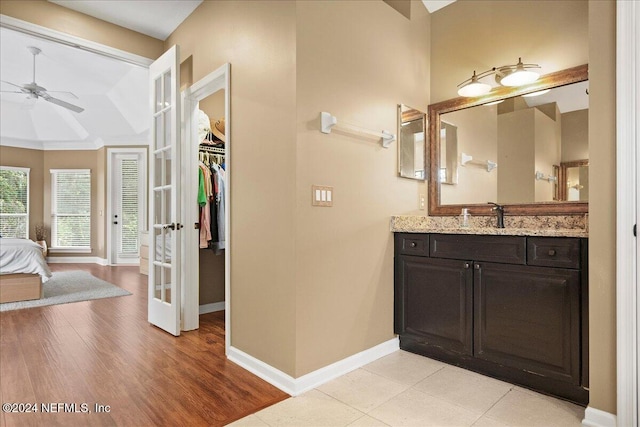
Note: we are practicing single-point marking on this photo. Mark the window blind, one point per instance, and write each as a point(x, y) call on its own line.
point(71, 208)
point(14, 202)
point(129, 244)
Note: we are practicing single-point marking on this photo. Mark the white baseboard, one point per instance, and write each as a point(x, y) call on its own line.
point(76, 260)
point(297, 386)
point(596, 418)
point(210, 308)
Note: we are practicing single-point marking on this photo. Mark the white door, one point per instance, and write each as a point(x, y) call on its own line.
point(127, 205)
point(164, 183)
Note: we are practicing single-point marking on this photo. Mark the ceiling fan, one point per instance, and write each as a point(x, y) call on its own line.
point(34, 91)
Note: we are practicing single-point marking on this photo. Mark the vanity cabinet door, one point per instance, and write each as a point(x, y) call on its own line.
point(435, 304)
point(528, 318)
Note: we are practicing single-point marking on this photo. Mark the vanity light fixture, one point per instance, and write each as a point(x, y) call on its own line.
point(473, 87)
point(506, 75)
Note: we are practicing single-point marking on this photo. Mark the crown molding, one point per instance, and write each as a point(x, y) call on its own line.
point(73, 41)
point(97, 144)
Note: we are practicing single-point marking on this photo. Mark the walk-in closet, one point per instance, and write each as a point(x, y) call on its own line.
point(211, 199)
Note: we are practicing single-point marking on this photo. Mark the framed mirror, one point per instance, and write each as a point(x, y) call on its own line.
point(411, 143)
point(508, 144)
point(573, 181)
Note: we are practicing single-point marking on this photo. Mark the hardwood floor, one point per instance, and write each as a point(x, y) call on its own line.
point(105, 352)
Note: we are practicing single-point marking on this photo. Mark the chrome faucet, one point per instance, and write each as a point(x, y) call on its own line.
point(500, 214)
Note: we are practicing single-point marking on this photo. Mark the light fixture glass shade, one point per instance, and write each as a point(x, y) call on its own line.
point(474, 88)
point(519, 77)
point(538, 93)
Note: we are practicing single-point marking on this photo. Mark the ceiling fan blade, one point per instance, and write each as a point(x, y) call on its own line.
point(12, 84)
point(62, 103)
point(71, 94)
point(11, 91)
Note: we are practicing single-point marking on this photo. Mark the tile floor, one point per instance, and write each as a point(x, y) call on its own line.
point(404, 389)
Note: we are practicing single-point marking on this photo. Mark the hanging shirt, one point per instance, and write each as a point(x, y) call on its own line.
point(202, 198)
point(220, 199)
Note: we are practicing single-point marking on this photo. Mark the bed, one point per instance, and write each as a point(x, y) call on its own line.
point(23, 270)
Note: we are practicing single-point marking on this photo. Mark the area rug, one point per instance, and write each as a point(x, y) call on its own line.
point(69, 286)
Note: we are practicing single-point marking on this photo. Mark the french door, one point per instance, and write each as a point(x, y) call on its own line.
point(127, 192)
point(164, 183)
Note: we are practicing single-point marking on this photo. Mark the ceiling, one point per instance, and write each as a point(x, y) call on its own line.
point(113, 93)
point(433, 5)
point(154, 18)
point(167, 14)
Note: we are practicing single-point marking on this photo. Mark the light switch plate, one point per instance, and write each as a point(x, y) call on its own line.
point(321, 195)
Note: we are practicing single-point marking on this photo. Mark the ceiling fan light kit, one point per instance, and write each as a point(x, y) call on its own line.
point(34, 91)
point(506, 75)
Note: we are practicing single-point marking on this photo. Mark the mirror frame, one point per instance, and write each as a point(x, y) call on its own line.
point(559, 78)
point(407, 116)
point(562, 176)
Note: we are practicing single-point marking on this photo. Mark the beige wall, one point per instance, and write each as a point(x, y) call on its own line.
point(77, 160)
point(258, 39)
point(477, 35)
point(213, 105)
point(68, 21)
point(575, 135)
point(298, 273)
point(516, 156)
point(477, 137)
point(547, 153)
point(602, 210)
point(344, 254)
point(41, 162)
point(34, 160)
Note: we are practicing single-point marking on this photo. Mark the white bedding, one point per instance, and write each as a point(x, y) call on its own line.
point(22, 256)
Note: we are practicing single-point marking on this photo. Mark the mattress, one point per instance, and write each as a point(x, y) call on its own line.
point(22, 256)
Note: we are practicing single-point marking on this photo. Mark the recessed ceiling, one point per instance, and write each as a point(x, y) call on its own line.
point(113, 93)
point(154, 18)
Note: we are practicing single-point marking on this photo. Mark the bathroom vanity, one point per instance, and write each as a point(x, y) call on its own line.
point(511, 304)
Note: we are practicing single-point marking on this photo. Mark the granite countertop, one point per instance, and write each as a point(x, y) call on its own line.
point(550, 226)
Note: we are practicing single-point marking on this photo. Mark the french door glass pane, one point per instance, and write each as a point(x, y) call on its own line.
point(129, 205)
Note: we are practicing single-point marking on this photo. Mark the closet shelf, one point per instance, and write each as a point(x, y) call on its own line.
point(210, 149)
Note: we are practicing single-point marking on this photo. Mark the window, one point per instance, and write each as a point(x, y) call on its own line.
point(71, 209)
point(14, 202)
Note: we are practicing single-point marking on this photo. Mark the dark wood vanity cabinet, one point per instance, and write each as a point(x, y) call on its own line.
point(511, 307)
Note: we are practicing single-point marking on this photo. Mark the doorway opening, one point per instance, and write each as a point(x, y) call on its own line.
point(126, 204)
point(206, 266)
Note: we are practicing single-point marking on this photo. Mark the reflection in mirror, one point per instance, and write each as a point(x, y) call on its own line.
point(411, 143)
point(507, 144)
point(448, 153)
point(573, 180)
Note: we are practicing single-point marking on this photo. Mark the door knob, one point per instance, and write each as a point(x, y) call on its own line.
point(171, 226)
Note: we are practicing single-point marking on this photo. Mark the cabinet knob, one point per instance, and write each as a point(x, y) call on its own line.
point(552, 252)
point(413, 244)
point(477, 266)
point(467, 265)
